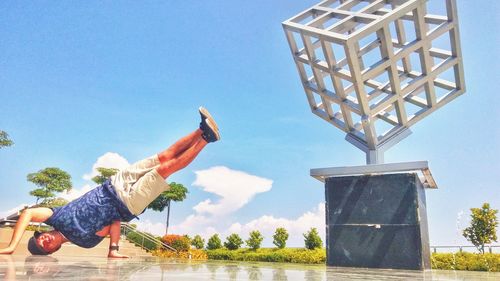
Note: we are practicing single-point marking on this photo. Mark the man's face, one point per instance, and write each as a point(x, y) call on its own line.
point(49, 242)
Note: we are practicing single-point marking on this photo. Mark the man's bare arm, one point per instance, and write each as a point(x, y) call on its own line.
point(27, 216)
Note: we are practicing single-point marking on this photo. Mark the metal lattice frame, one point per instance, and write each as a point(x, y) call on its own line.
point(371, 67)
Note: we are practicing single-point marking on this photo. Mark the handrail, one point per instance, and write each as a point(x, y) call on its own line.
point(10, 222)
point(145, 235)
point(5, 222)
point(460, 248)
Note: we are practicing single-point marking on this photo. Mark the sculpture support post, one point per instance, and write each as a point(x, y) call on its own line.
point(376, 215)
point(374, 157)
point(377, 221)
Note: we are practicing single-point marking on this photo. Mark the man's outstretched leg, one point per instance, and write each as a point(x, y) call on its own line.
point(180, 146)
point(128, 177)
point(184, 151)
point(186, 142)
point(152, 183)
point(175, 164)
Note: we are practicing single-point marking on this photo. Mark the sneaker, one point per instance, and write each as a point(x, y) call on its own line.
point(206, 115)
point(210, 134)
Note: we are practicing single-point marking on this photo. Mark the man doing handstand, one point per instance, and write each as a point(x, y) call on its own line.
point(87, 220)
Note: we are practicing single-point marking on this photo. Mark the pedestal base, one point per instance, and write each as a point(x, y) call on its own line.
point(377, 221)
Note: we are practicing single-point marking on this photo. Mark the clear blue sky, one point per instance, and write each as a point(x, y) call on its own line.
point(80, 79)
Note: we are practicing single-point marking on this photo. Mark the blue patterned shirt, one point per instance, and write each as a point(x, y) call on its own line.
point(80, 219)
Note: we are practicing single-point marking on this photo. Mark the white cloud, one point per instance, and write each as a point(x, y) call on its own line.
point(236, 189)
point(206, 226)
point(157, 228)
point(108, 160)
point(192, 225)
point(267, 224)
point(76, 193)
point(196, 224)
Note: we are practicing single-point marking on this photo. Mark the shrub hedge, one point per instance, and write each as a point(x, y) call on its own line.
point(194, 254)
point(39, 228)
point(316, 256)
point(444, 261)
point(178, 242)
point(466, 261)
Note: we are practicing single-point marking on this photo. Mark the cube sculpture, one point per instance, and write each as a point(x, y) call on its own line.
point(373, 68)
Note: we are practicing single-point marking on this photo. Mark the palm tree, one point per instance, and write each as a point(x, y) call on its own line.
point(177, 192)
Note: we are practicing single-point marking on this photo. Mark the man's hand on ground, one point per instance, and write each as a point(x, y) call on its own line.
point(6, 251)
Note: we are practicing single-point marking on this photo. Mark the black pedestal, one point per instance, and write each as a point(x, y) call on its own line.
point(377, 221)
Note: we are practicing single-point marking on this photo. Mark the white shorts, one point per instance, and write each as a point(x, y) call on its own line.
point(139, 184)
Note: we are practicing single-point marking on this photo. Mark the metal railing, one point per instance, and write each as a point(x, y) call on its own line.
point(12, 223)
point(126, 229)
point(6, 222)
point(487, 248)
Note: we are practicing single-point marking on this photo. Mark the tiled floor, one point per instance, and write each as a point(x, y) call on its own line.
point(142, 269)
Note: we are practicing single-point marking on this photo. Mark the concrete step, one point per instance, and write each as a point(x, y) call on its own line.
point(69, 249)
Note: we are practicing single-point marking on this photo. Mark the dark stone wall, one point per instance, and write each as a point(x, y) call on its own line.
point(377, 221)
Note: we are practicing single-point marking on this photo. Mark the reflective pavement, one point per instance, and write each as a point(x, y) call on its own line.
point(100, 268)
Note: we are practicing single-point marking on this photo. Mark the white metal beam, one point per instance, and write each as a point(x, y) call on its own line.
point(423, 166)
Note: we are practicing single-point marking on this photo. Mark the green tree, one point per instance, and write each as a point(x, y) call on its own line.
point(40, 193)
point(182, 244)
point(233, 242)
point(104, 174)
point(49, 181)
point(177, 192)
point(214, 242)
point(255, 239)
point(312, 239)
point(4, 139)
point(482, 229)
point(198, 242)
point(279, 238)
point(53, 202)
